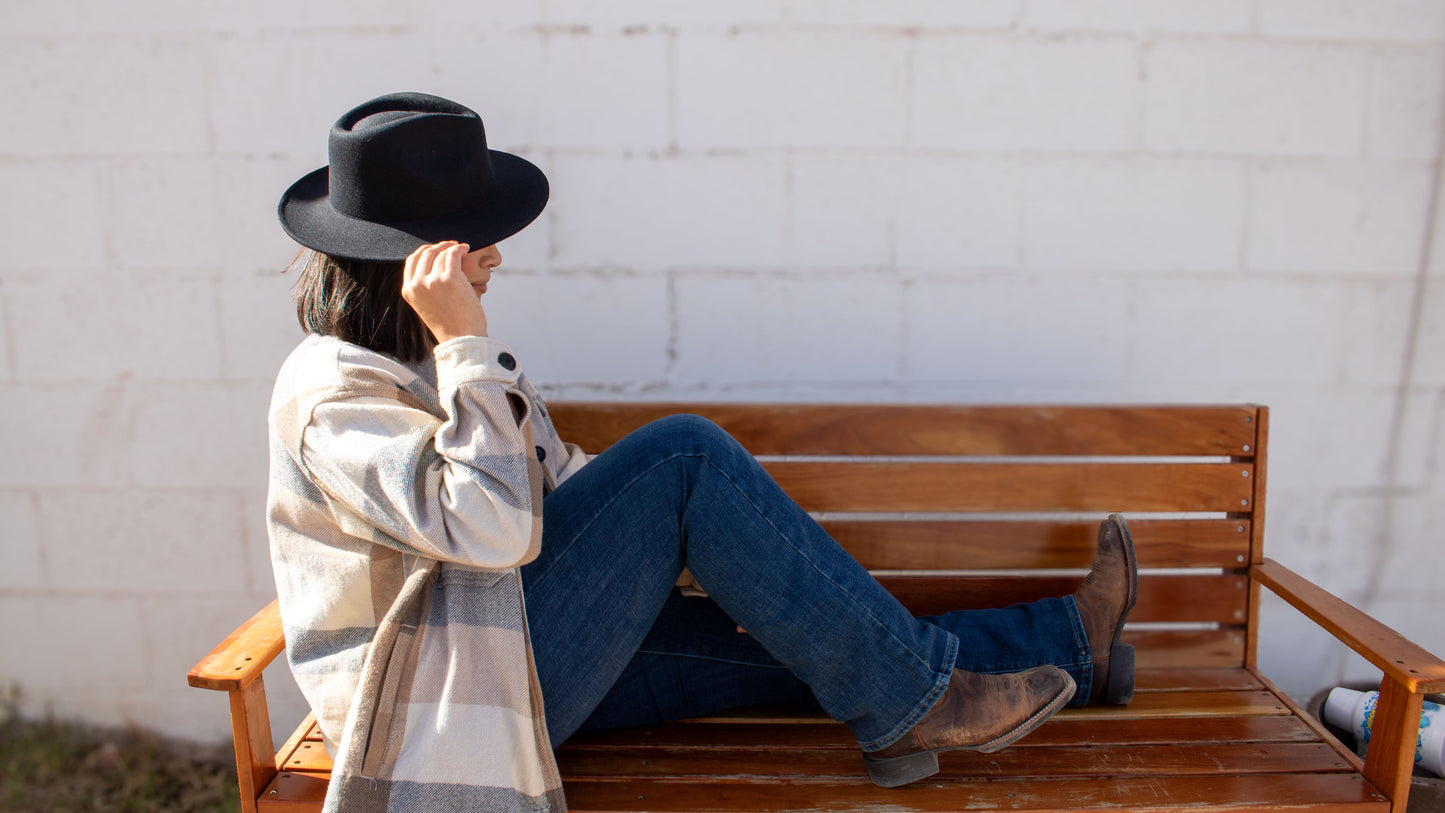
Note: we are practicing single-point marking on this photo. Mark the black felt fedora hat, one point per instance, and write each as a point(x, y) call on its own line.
point(407, 169)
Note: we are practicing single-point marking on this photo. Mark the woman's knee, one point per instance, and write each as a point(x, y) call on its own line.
point(687, 440)
point(694, 434)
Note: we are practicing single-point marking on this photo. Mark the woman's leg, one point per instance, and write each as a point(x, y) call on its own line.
point(694, 662)
point(681, 493)
point(1022, 636)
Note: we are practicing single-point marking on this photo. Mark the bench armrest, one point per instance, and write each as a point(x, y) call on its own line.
point(1403, 662)
point(1410, 673)
point(239, 659)
point(235, 666)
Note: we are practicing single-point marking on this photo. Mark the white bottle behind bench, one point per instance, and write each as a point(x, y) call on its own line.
point(1355, 711)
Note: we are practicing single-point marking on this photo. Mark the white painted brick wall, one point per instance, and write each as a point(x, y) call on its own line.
point(1010, 330)
point(20, 545)
point(1185, 16)
point(959, 214)
point(932, 14)
point(598, 330)
point(171, 448)
point(656, 14)
point(32, 194)
point(1353, 19)
point(131, 326)
point(1430, 366)
point(605, 92)
point(6, 371)
point(260, 580)
point(722, 211)
point(842, 210)
point(140, 94)
point(924, 200)
point(1329, 438)
point(75, 434)
point(105, 539)
point(1375, 335)
point(1255, 97)
point(1416, 520)
point(1347, 218)
point(1259, 331)
point(256, 334)
point(777, 89)
point(74, 644)
point(269, 87)
point(978, 92)
point(1129, 216)
point(1403, 121)
point(762, 330)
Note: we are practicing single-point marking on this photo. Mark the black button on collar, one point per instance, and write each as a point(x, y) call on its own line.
point(541, 454)
point(508, 363)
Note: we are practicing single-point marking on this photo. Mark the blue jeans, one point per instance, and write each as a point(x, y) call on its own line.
point(615, 644)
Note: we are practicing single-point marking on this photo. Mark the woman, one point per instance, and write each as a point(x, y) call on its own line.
point(419, 492)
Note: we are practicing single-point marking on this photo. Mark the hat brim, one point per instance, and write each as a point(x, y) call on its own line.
point(307, 215)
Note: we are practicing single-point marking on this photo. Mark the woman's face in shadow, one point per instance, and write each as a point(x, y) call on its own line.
point(478, 265)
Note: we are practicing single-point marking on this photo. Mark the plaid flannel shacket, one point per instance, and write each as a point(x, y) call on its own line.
point(399, 512)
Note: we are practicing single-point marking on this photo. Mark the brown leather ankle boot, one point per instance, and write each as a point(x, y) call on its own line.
point(1105, 599)
point(976, 712)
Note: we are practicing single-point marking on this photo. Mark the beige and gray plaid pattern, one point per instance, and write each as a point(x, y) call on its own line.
point(399, 511)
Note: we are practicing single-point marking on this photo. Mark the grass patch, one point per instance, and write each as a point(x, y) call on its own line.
point(54, 766)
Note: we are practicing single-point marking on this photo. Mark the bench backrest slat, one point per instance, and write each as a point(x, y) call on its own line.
point(983, 506)
point(972, 544)
point(994, 487)
point(812, 429)
point(1170, 599)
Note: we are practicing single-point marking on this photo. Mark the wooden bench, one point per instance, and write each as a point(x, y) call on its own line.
point(957, 507)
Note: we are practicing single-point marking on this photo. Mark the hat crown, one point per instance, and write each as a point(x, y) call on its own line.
point(408, 156)
point(409, 169)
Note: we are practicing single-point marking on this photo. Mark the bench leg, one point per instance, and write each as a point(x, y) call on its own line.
point(251, 735)
point(1391, 758)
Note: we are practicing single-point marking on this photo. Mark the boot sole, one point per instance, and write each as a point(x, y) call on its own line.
point(1119, 689)
point(892, 772)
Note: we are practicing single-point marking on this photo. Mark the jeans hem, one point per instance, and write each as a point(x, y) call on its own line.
point(940, 685)
point(1085, 676)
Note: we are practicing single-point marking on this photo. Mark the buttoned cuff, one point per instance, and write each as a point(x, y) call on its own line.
point(467, 359)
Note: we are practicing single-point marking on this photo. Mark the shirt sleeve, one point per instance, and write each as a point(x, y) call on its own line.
point(464, 489)
point(576, 459)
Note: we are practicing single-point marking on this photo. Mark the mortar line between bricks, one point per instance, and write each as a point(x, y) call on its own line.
point(42, 552)
point(674, 331)
point(7, 336)
point(672, 95)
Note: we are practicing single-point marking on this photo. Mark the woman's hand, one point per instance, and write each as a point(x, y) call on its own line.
point(435, 286)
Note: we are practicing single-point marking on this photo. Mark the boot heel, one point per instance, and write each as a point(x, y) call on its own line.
point(1120, 688)
point(891, 772)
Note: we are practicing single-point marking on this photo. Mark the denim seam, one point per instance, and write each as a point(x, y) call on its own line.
point(1086, 659)
point(616, 495)
point(713, 658)
point(940, 685)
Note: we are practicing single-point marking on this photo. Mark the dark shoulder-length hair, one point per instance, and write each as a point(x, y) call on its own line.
point(359, 302)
